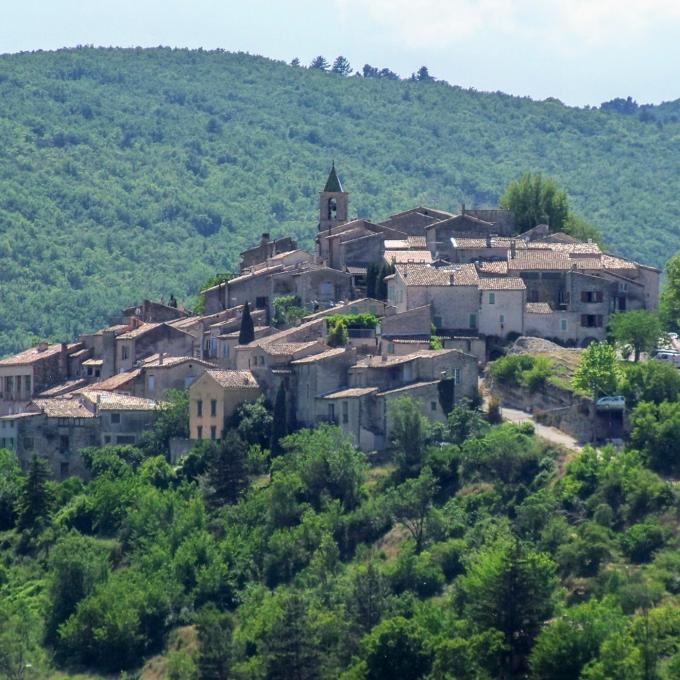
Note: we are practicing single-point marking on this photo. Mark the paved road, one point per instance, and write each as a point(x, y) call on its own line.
point(552, 434)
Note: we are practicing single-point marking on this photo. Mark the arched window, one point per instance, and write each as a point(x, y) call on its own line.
point(332, 209)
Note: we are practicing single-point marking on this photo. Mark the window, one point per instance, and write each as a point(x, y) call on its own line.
point(199, 409)
point(473, 321)
point(64, 443)
point(532, 296)
point(89, 371)
point(260, 302)
point(390, 348)
point(225, 350)
point(563, 325)
point(623, 287)
point(456, 376)
point(213, 407)
point(124, 352)
point(492, 298)
point(331, 411)
point(345, 412)
point(591, 296)
point(433, 406)
point(213, 432)
point(591, 320)
point(152, 382)
point(199, 432)
point(115, 418)
point(501, 318)
point(9, 384)
point(27, 384)
point(107, 439)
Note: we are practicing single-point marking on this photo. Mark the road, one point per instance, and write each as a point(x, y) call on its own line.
point(552, 434)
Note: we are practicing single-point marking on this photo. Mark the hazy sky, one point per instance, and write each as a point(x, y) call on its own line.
point(581, 51)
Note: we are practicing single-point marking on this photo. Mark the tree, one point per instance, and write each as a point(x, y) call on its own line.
point(446, 388)
point(341, 66)
point(10, 486)
point(77, 565)
point(534, 199)
point(295, 61)
point(654, 381)
point(409, 430)
point(570, 642)
point(465, 422)
point(639, 328)
point(171, 421)
point(35, 498)
point(423, 75)
point(227, 475)
point(598, 371)
point(215, 280)
point(21, 657)
point(319, 63)
point(214, 644)
point(338, 335)
point(253, 422)
point(367, 597)
point(290, 650)
point(279, 421)
point(387, 74)
point(655, 432)
point(247, 332)
point(369, 71)
point(509, 587)
point(396, 648)
point(372, 273)
point(411, 505)
point(669, 304)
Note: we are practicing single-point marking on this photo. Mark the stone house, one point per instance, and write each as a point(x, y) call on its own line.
point(265, 250)
point(31, 372)
point(160, 373)
point(146, 339)
point(453, 293)
point(213, 398)
point(501, 306)
point(151, 311)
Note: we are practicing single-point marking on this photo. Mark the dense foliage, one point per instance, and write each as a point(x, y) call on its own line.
point(130, 173)
point(479, 552)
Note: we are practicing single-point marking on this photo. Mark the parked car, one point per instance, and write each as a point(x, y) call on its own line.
point(617, 403)
point(668, 356)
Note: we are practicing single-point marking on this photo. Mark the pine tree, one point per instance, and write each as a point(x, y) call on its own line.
point(319, 63)
point(227, 469)
point(341, 66)
point(33, 505)
point(280, 421)
point(291, 653)
point(247, 333)
point(214, 639)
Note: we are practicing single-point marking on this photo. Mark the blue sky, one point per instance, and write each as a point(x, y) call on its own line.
point(580, 51)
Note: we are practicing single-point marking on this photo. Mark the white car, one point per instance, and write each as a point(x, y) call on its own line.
point(611, 403)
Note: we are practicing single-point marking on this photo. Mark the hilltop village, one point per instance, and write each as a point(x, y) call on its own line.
point(423, 296)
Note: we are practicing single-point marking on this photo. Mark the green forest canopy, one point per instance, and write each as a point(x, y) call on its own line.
point(130, 173)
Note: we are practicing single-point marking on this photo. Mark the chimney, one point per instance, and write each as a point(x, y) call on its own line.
point(383, 357)
point(42, 346)
point(452, 278)
point(488, 240)
point(265, 238)
point(513, 249)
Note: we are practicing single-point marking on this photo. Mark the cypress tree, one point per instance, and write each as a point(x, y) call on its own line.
point(227, 469)
point(280, 421)
point(291, 652)
point(33, 505)
point(247, 333)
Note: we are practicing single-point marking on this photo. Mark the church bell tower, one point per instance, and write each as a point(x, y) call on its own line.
point(332, 202)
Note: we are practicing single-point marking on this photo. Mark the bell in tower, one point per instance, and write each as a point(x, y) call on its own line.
point(332, 202)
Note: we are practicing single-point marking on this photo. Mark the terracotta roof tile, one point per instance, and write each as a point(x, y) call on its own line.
point(143, 329)
point(63, 407)
point(500, 283)
point(322, 356)
point(31, 355)
point(423, 275)
point(350, 392)
point(113, 401)
point(538, 308)
point(399, 256)
point(233, 378)
point(493, 268)
point(116, 382)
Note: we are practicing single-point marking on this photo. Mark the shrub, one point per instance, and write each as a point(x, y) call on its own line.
point(641, 541)
point(508, 369)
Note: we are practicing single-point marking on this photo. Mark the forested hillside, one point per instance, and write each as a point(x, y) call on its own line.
point(130, 173)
